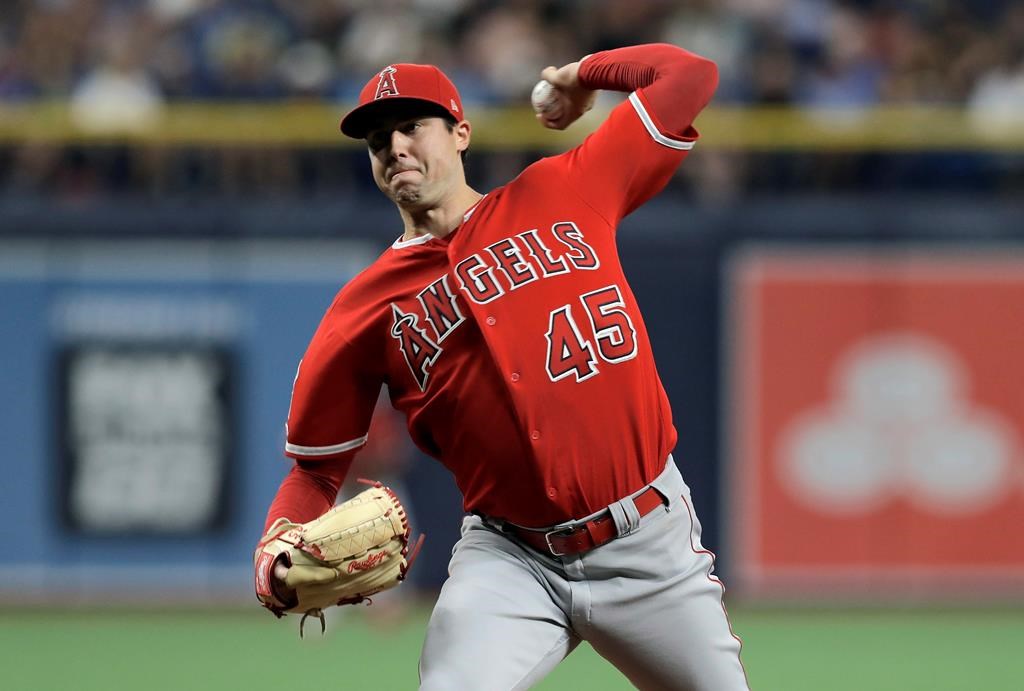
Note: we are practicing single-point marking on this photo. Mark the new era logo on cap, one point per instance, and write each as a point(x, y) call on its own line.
point(403, 82)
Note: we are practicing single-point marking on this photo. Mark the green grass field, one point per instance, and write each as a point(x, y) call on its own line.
point(784, 650)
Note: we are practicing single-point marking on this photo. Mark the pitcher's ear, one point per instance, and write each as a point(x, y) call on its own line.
point(463, 135)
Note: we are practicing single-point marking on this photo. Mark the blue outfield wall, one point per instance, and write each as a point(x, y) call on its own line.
point(254, 303)
point(83, 317)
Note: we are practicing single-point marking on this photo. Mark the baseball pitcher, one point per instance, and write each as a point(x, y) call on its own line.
point(509, 338)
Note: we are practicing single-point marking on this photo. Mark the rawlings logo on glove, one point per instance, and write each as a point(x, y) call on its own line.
point(368, 563)
point(357, 549)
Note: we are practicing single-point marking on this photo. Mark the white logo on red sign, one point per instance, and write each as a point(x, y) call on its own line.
point(900, 424)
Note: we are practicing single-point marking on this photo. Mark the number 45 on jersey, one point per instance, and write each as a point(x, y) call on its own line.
point(570, 352)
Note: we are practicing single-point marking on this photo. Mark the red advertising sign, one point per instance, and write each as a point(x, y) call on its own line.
point(875, 422)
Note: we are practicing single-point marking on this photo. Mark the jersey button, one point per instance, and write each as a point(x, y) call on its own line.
point(535, 435)
point(515, 376)
point(491, 321)
point(552, 493)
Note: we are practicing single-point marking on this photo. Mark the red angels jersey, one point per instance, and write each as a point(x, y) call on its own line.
point(514, 345)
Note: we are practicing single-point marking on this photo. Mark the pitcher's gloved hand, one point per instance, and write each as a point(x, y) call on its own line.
point(358, 548)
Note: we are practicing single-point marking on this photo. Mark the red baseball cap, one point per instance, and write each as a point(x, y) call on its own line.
point(403, 82)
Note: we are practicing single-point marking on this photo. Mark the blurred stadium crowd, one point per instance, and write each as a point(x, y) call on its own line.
point(119, 63)
point(809, 52)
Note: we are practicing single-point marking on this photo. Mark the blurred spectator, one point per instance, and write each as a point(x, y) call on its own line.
point(48, 41)
point(12, 84)
point(379, 31)
point(306, 68)
point(997, 103)
point(1000, 92)
point(774, 75)
point(509, 46)
point(997, 99)
point(614, 23)
point(701, 27)
point(118, 94)
point(913, 57)
point(172, 60)
point(848, 73)
point(240, 45)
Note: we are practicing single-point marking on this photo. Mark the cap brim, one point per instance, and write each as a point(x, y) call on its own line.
point(362, 119)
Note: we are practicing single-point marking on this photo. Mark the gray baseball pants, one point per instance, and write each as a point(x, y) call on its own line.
point(647, 602)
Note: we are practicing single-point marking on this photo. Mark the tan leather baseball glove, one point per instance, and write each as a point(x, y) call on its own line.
point(358, 548)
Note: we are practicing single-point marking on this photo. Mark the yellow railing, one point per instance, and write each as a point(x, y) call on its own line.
point(316, 125)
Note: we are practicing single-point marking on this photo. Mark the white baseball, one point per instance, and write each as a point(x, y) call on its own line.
point(545, 99)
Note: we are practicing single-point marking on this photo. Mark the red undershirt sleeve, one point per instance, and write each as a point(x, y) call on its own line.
point(635, 152)
point(676, 83)
point(309, 489)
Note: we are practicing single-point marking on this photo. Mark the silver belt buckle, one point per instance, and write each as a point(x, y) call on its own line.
point(547, 539)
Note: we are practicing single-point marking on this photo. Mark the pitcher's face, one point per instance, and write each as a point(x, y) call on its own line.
point(416, 160)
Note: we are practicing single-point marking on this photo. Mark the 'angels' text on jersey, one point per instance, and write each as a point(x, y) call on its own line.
point(519, 260)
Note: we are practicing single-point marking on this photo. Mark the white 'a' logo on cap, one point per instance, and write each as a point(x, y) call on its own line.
point(455, 106)
point(386, 86)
